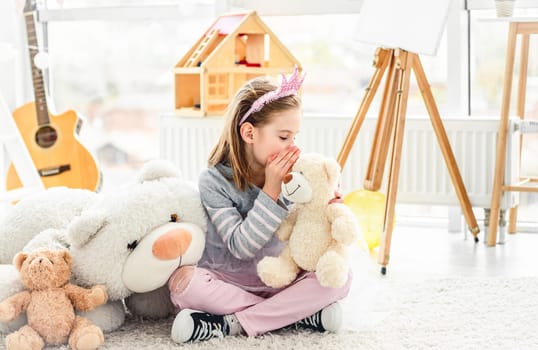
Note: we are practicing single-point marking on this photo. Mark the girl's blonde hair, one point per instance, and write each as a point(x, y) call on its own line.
point(230, 148)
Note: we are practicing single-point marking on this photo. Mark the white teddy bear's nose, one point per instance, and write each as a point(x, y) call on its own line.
point(172, 244)
point(160, 253)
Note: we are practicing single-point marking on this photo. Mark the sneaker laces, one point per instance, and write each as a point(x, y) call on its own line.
point(312, 322)
point(207, 330)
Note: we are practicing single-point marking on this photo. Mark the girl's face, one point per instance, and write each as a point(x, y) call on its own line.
point(276, 136)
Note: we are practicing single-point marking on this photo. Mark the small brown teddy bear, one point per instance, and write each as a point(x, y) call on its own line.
point(50, 302)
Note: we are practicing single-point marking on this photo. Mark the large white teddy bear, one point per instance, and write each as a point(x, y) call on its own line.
point(130, 240)
point(318, 229)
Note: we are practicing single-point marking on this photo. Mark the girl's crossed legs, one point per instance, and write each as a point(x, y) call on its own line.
point(200, 289)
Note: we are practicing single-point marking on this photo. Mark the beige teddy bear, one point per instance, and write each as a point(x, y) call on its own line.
point(50, 303)
point(318, 228)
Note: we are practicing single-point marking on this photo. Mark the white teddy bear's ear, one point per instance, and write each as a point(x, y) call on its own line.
point(83, 228)
point(156, 169)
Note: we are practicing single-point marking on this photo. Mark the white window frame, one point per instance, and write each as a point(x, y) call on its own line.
point(489, 4)
point(457, 29)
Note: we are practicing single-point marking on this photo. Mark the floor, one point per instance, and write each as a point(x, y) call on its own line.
point(436, 252)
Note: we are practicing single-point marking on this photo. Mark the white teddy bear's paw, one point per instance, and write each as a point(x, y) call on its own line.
point(10, 284)
point(332, 270)
point(276, 272)
point(109, 317)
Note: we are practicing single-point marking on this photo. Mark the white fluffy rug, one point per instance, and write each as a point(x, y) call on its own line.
point(391, 313)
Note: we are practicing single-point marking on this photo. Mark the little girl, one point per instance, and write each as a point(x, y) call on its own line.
point(241, 194)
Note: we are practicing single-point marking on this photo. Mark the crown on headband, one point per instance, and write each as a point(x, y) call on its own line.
point(286, 88)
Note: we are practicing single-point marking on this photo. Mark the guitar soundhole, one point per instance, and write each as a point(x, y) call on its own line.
point(46, 136)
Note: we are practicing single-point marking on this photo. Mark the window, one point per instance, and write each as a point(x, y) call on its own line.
point(112, 60)
point(119, 75)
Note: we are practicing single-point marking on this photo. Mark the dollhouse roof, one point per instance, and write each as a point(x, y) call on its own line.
point(228, 23)
point(230, 26)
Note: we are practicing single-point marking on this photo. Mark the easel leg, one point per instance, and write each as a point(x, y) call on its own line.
point(512, 220)
point(381, 61)
point(448, 155)
point(402, 79)
point(500, 160)
point(521, 93)
point(383, 131)
point(502, 227)
point(486, 223)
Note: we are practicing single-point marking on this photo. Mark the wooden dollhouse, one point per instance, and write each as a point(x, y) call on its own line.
point(235, 49)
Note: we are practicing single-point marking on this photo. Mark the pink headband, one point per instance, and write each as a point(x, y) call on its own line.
point(286, 88)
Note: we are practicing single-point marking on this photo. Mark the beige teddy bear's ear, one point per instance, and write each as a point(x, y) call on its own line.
point(64, 254)
point(332, 170)
point(19, 259)
point(83, 228)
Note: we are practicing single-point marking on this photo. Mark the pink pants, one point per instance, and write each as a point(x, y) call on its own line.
point(257, 315)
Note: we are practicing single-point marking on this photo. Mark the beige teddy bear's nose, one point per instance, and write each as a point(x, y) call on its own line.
point(40, 264)
point(287, 178)
point(172, 244)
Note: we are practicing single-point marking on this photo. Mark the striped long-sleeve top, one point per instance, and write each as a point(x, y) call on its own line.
point(241, 227)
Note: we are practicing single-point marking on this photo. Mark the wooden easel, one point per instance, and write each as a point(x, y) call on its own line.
point(390, 131)
point(523, 27)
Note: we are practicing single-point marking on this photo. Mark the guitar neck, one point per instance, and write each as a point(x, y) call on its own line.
point(37, 75)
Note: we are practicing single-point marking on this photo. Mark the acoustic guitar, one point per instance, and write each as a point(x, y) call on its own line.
point(52, 140)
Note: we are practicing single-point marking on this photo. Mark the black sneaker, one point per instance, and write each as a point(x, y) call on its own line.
point(327, 319)
point(194, 326)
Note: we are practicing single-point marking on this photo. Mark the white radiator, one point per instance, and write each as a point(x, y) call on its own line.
point(424, 178)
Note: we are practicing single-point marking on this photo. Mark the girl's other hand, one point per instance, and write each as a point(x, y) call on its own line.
point(277, 166)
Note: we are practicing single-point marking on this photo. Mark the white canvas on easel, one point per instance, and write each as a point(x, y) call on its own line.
point(413, 25)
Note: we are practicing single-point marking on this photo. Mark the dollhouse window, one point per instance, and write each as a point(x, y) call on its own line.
point(218, 85)
point(251, 49)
